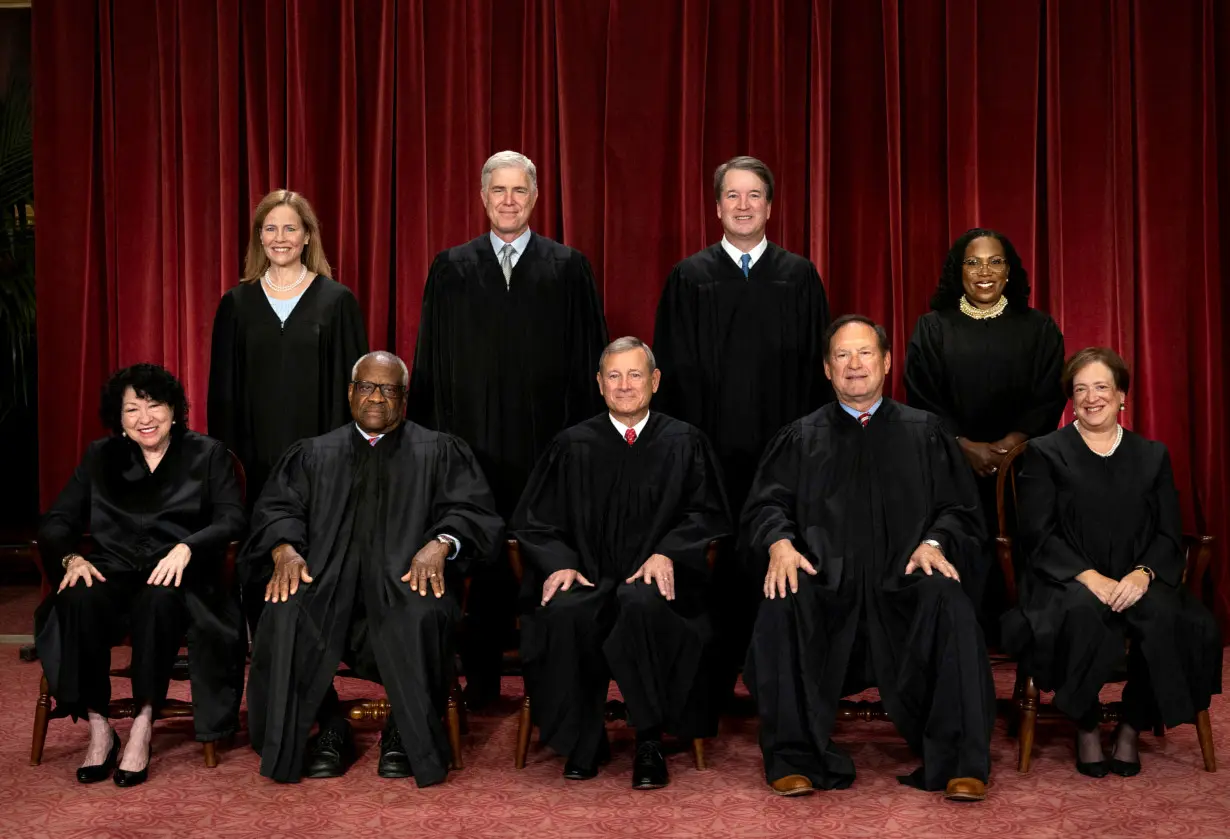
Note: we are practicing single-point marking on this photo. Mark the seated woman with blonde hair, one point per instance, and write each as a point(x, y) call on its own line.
point(1101, 536)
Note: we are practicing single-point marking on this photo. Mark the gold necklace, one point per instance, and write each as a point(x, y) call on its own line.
point(970, 310)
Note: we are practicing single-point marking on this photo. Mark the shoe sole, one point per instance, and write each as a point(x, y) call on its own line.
point(793, 793)
point(322, 775)
point(649, 786)
point(395, 773)
point(965, 796)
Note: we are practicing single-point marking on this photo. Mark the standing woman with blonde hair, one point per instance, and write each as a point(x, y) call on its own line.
point(284, 341)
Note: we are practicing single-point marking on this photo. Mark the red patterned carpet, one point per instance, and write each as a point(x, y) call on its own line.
point(1173, 797)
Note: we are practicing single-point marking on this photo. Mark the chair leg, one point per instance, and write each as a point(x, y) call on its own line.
point(454, 731)
point(524, 729)
point(211, 755)
point(1204, 731)
point(698, 753)
point(42, 709)
point(1029, 719)
point(1159, 729)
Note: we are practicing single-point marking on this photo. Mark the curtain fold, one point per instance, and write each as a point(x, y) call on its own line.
point(1096, 135)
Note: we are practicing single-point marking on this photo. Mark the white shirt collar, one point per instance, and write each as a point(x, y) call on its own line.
point(623, 429)
point(367, 436)
point(519, 244)
point(736, 254)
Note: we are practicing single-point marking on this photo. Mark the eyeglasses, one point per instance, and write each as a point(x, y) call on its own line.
point(996, 264)
point(366, 389)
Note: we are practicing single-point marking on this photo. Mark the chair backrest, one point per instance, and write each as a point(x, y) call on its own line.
point(518, 563)
point(1005, 508)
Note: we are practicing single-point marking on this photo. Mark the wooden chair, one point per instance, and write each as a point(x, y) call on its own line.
point(1198, 551)
point(378, 710)
point(615, 710)
point(127, 707)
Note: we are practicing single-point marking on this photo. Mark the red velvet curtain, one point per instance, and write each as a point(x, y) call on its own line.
point(1096, 134)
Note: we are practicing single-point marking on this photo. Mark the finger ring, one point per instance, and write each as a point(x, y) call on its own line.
point(994, 469)
point(433, 574)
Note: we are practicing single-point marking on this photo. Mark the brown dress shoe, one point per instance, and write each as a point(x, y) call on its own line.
point(792, 785)
point(965, 789)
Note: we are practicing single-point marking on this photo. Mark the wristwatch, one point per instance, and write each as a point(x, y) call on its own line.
point(933, 544)
point(1148, 571)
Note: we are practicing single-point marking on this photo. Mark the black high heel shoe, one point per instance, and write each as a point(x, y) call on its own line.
point(1123, 768)
point(94, 774)
point(124, 778)
point(1092, 769)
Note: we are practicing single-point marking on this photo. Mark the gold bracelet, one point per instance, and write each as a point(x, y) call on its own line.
point(1147, 570)
point(68, 560)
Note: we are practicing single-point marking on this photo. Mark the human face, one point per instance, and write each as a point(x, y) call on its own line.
point(984, 271)
point(856, 366)
point(743, 208)
point(283, 236)
point(376, 413)
point(1095, 399)
point(146, 422)
point(627, 385)
point(509, 199)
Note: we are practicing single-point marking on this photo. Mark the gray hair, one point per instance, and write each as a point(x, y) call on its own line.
point(626, 344)
point(383, 355)
point(514, 159)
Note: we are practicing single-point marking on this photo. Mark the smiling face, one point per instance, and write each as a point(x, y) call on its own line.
point(375, 412)
point(857, 366)
point(627, 385)
point(283, 236)
point(1095, 397)
point(743, 208)
point(145, 421)
point(984, 271)
point(509, 200)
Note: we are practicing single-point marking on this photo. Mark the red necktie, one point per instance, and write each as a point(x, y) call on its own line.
point(864, 418)
point(630, 436)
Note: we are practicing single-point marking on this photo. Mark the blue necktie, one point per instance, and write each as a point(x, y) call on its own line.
point(746, 262)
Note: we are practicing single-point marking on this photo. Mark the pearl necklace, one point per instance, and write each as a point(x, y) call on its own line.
point(1113, 449)
point(275, 287)
point(970, 310)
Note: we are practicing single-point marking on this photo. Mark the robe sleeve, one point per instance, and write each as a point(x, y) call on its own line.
point(541, 518)
point(1164, 555)
point(587, 338)
point(768, 515)
point(348, 343)
point(705, 514)
point(821, 388)
point(674, 346)
point(223, 380)
point(1046, 550)
point(1047, 399)
point(225, 502)
point(926, 385)
point(957, 522)
point(67, 520)
point(425, 402)
point(463, 506)
point(280, 516)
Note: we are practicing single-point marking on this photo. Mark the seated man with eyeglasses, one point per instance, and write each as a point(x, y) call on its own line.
point(370, 529)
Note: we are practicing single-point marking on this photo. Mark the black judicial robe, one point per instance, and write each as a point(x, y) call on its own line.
point(503, 366)
point(134, 517)
point(269, 384)
point(419, 484)
point(857, 502)
point(741, 356)
point(602, 507)
point(1079, 511)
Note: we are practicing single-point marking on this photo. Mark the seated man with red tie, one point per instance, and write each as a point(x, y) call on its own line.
point(614, 527)
point(866, 516)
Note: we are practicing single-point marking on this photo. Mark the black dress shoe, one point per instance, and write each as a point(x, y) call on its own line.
point(331, 753)
point(394, 762)
point(1123, 768)
point(124, 778)
point(100, 771)
point(649, 767)
point(574, 770)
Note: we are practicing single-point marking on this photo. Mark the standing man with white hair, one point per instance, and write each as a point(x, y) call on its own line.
point(510, 335)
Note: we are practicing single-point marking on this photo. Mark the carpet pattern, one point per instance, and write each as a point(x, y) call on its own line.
point(1173, 797)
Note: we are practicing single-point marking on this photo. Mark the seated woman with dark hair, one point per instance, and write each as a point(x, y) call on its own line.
point(1101, 537)
point(161, 504)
